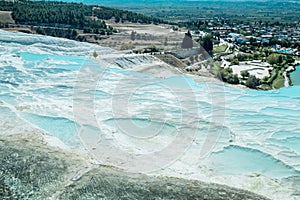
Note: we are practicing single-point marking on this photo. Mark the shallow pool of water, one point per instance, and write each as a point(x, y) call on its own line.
point(295, 76)
point(244, 131)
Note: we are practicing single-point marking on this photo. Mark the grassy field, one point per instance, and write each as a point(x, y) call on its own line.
point(220, 49)
point(279, 81)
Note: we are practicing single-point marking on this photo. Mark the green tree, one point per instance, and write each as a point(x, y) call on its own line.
point(133, 35)
point(233, 79)
point(245, 74)
point(252, 82)
point(207, 42)
point(235, 61)
point(290, 59)
point(117, 19)
point(273, 41)
point(275, 59)
point(95, 54)
point(40, 30)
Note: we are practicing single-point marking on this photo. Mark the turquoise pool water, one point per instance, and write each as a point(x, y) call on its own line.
point(237, 160)
point(285, 51)
point(259, 130)
point(295, 76)
point(62, 128)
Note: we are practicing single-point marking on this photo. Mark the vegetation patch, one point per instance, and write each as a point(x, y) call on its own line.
point(62, 19)
point(220, 49)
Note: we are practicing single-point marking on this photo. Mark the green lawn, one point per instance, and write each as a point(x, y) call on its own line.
point(279, 81)
point(220, 49)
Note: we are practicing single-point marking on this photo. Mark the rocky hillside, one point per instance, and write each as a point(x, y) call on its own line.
point(31, 169)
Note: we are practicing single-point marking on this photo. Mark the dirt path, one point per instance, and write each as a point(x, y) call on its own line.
point(5, 17)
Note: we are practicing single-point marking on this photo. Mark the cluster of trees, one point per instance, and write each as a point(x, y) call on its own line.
point(245, 57)
point(251, 81)
point(276, 80)
point(272, 58)
point(226, 75)
point(70, 13)
point(283, 43)
point(4, 25)
point(195, 25)
point(152, 49)
point(55, 14)
point(207, 42)
point(278, 59)
point(6, 5)
point(124, 15)
point(139, 36)
point(70, 16)
point(57, 32)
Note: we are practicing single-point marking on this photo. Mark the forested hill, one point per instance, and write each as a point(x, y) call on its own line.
point(71, 15)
